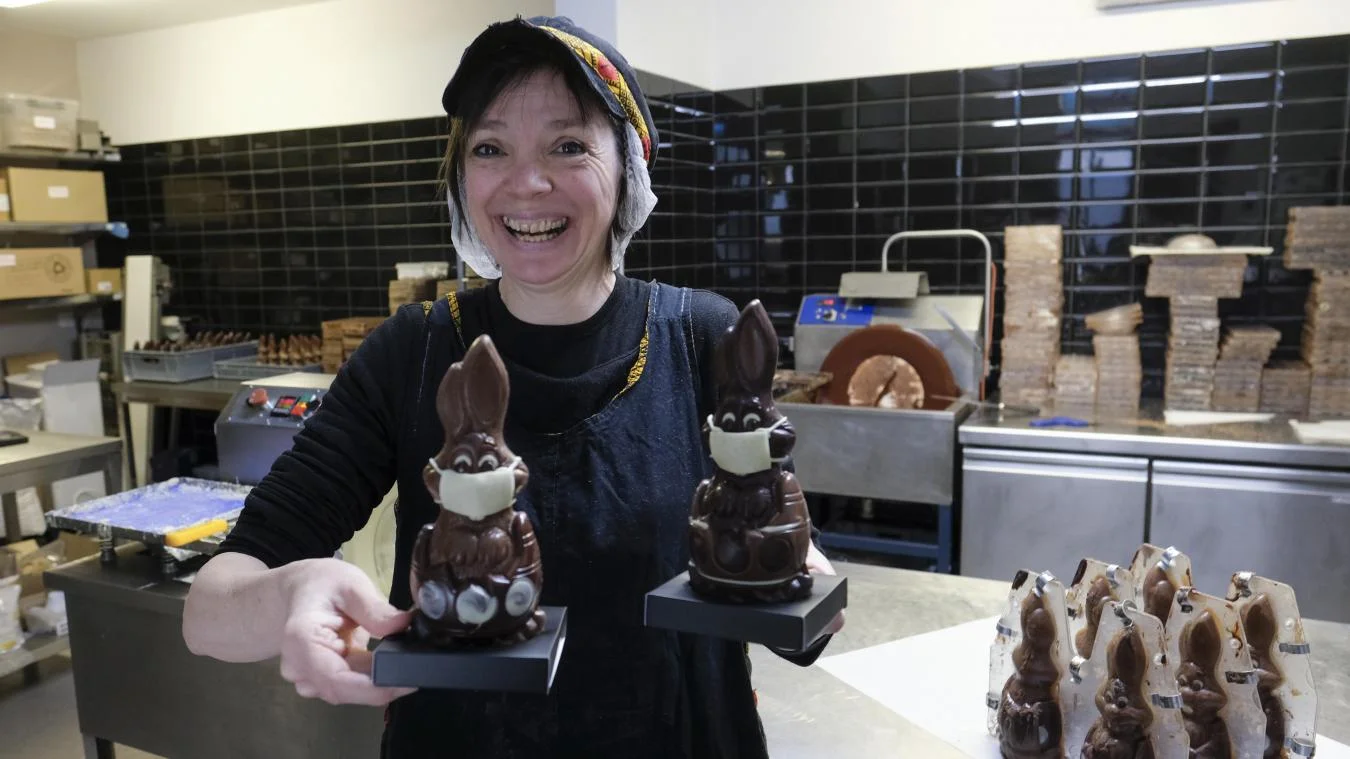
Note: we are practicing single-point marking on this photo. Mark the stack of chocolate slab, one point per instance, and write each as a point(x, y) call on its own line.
point(1237, 376)
point(1033, 306)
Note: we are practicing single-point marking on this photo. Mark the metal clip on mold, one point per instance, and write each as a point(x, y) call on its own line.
point(1168, 701)
point(1299, 747)
point(1241, 677)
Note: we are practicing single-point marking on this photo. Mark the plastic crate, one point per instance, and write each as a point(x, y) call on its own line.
point(249, 369)
point(182, 366)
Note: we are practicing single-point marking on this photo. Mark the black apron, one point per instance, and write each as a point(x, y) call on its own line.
point(610, 502)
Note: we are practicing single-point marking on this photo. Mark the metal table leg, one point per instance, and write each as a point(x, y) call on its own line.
point(130, 449)
point(9, 503)
point(98, 748)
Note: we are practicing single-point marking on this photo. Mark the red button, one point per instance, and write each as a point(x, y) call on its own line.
point(258, 397)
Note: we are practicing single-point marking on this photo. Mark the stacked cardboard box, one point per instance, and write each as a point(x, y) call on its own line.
point(343, 336)
point(1033, 304)
point(1075, 382)
point(405, 291)
point(1285, 387)
point(1237, 376)
point(1192, 351)
point(471, 282)
point(1319, 239)
point(1115, 347)
point(1216, 276)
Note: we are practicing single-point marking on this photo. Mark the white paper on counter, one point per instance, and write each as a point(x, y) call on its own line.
point(1177, 418)
point(1334, 431)
point(938, 681)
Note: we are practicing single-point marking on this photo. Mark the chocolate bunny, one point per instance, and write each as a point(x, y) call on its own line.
point(1258, 619)
point(476, 571)
point(1122, 730)
point(1202, 695)
point(749, 530)
point(1030, 721)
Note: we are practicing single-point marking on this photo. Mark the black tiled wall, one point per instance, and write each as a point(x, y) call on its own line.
point(812, 178)
point(774, 192)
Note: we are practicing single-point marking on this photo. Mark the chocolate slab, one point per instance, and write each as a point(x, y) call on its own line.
point(792, 626)
point(527, 667)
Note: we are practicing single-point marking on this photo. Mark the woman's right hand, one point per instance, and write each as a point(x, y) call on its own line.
point(316, 615)
point(334, 610)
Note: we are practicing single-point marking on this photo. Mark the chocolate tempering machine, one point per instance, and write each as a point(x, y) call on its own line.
point(906, 367)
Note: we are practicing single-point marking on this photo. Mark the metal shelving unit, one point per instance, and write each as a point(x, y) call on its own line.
point(64, 229)
point(74, 158)
point(29, 305)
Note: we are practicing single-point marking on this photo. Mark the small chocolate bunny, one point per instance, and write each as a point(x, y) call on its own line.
point(1030, 721)
point(1258, 619)
point(749, 530)
point(476, 571)
point(1122, 730)
point(1202, 694)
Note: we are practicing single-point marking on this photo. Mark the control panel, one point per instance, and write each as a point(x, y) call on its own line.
point(261, 421)
point(285, 406)
point(834, 309)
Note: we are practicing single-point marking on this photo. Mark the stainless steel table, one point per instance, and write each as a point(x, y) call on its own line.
point(126, 628)
point(198, 395)
point(1234, 497)
point(49, 456)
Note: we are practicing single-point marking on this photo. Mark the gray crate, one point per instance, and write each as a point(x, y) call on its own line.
point(183, 366)
point(249, 368)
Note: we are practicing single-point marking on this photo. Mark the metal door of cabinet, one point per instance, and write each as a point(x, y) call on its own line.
point(1040, 510)
point(1286, 524)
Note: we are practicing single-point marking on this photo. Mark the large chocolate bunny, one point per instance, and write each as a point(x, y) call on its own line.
point(1202, 694)
point(1030, 721)
point(1122, 730)
point(476, 572)
point(749, 530)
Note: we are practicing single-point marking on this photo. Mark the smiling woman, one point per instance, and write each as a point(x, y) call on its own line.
point(611, 379)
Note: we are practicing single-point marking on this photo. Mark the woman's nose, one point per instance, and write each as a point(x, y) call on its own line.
point(529, 178)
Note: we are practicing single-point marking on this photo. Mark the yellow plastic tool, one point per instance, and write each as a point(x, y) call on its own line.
point(187, 535)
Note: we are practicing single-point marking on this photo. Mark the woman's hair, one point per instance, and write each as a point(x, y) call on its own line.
point(499, 76)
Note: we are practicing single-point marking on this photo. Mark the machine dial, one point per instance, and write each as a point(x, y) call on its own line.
point(258, 397)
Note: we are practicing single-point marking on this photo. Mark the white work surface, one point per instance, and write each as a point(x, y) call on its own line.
point(938, 681)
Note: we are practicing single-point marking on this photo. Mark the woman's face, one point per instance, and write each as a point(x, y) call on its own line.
point(541, 182)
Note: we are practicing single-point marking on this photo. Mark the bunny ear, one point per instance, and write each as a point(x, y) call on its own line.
point(450, 403)
point(755, 347)
point(1128, 658)
point(486, 386)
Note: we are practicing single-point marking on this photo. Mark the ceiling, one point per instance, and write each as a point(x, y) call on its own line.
point(82, 19)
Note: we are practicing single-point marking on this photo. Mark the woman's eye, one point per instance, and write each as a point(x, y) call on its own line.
point(751, 421)
point(485, 150)
point(572, 147)
point(487, 462)
point(463, 461)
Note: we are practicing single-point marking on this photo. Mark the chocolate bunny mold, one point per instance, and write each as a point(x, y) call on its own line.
point(1031, 717)
point(1215, 678)
point(1007, 634)
point(1095, 582)
point(1122, 701)
point(749, 530)
point(476, 570)
point(1281, 658)
point(1159, 573)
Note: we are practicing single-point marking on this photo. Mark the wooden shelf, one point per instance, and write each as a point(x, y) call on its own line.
point(34, 650)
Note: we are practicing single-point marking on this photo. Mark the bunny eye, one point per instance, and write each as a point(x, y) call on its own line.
point(750, 420)
point(1122, 703)
point(486, 462)
point(728, 418)
point(463, 461)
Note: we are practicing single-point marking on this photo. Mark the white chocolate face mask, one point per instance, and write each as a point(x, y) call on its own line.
point(742, 452)
point(477, 495)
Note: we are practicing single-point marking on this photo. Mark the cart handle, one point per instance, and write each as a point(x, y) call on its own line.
point(988, 273)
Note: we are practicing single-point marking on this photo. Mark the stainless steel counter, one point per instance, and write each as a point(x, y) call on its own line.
point(51, 456)
point(1268, 444)
point(202, 395)
point(125, 627)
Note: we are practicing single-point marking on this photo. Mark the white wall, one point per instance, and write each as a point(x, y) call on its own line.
point(336, 62)
point(760, 43)
point(37, 64)
point(674, 38)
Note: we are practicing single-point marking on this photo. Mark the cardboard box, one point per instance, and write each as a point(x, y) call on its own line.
point(32, 560)
point(103, 281)
point(40, 272)
point(4, 199)
point(352, 326)
point(30, 121)
point(57, 195)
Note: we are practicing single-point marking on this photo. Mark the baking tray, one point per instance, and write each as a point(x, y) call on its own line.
point(149, 514)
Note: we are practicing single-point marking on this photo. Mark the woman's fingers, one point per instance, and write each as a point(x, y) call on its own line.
point(370, 610)
point(332, 664)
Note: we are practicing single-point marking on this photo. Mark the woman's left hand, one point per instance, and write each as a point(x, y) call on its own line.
point(816, 563)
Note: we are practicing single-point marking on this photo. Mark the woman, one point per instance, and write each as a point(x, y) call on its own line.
point(610, 377)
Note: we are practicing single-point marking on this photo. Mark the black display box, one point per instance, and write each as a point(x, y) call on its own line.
point(791, 626)
point(527, 667)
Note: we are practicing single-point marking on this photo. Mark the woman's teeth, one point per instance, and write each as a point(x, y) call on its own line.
point(538, 230)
